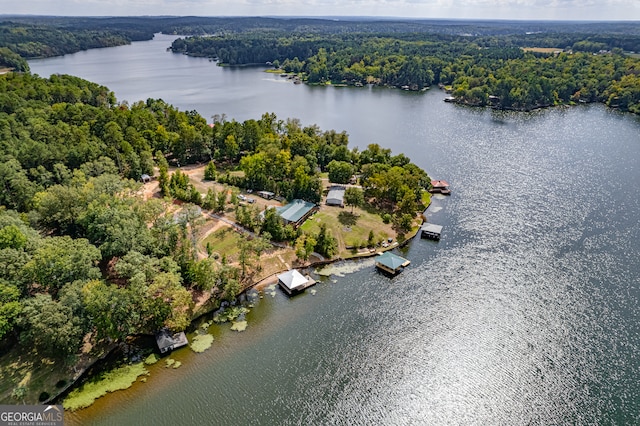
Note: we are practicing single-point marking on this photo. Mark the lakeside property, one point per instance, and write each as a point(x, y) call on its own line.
point(542, 270)
point(216, 235)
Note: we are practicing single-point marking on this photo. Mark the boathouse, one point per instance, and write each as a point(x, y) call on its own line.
point(293, 282)
point(168, 341)
point(431, 231)
point(296, 212)
point(440, 186)
point(335, 197)
point(391, 263)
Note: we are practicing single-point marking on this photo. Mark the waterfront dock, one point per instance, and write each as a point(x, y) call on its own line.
point(430, 231)
point(293, 282)
point(391, 263)
point(440, 187)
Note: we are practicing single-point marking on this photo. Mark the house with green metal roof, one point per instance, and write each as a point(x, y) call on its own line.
point(391, 263)
point(296, 212)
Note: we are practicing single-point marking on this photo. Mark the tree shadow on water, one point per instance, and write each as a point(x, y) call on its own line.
point(347, 218)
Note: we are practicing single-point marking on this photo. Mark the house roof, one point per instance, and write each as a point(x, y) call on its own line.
point(391, 260)
point(295, 210)
point(336, 194)
point(293, 279)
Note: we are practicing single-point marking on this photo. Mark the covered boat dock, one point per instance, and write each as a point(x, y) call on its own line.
point(293, 282)
point(168, 341)
point(431, 231)
point(391, 263)
point(440, 186)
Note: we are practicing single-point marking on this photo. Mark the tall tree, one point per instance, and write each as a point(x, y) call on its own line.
point(353, 197)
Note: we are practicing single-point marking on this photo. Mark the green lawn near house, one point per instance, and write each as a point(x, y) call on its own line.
point(351, 230)
point(225, 241)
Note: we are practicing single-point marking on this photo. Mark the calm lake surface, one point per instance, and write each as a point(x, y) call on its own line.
point(526, 312)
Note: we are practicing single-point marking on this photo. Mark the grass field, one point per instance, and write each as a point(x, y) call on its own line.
point(349, 229)
point(223, 241)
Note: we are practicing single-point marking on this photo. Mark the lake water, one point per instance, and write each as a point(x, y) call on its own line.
point(526, 312)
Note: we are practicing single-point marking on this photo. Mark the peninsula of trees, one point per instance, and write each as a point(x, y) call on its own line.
point(85, 258)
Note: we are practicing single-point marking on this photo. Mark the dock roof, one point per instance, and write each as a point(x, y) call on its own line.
point(295, 210)
point(293, 280)
point(391, 260)
point(432, 228)
point(167, 340)
point(439, 183)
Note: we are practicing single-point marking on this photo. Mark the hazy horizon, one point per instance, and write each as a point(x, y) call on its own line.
point(531, 10)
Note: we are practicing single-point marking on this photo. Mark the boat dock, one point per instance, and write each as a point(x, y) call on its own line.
point(440, 187)
point(431, 231)
point(293, 282)
point(391, 263)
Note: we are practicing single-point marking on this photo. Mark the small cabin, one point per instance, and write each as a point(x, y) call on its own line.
point(335, 197)
point(293, 282)
point(391, 263)
point(430, 231)
point(168, 341)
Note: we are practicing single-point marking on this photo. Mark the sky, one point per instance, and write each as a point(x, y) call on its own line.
point(597, 10)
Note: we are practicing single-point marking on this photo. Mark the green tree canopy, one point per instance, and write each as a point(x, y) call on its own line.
point(50, 326)
point(61, 260)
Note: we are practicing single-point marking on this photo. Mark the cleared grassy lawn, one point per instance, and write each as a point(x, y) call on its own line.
point(349, 229)
point(543, 49)
point(224, 241)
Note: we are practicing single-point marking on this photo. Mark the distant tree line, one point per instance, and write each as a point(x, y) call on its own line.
point(46, 38)
point(487, 70)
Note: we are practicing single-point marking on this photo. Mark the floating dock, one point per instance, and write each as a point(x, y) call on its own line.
point(431, 231)
point(391, 263)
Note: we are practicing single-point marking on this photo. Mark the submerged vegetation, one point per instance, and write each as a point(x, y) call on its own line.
point(239, 325)
point(118, 379)
point(201, 342)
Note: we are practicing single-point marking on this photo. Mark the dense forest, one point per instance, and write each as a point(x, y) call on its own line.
point(506, 64)
point(510, 72)
point(81, 251)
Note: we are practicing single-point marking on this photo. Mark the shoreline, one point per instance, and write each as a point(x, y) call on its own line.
point(209, 306)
